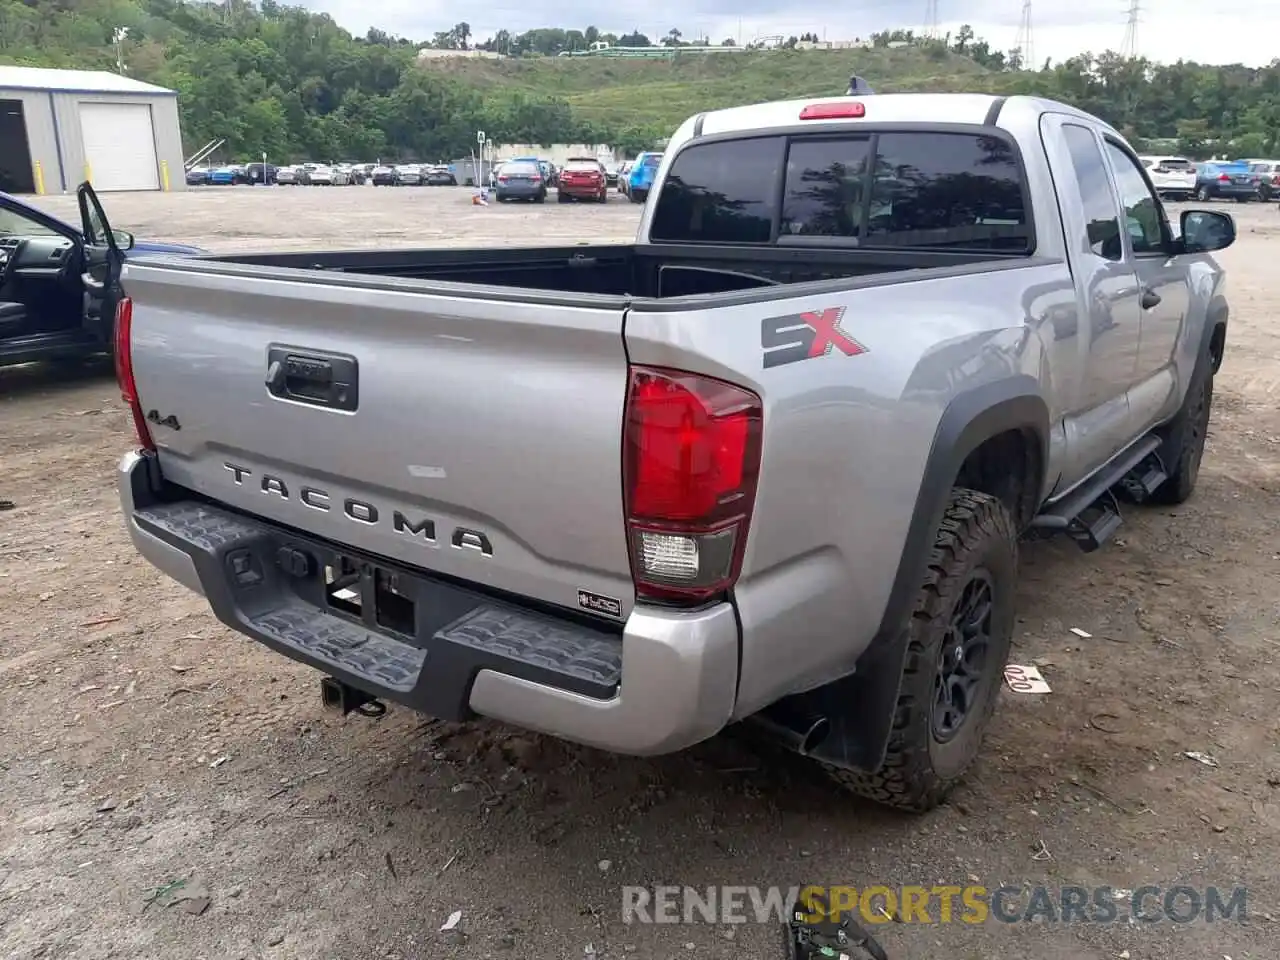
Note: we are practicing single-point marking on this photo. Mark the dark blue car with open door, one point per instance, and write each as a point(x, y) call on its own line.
point(54, 279)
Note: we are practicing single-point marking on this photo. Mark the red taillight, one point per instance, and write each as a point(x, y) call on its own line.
point(124, 371)
point(839, 110)
point(1223, 178)
point(536, 178)
point(502, 179)
point(691, 454)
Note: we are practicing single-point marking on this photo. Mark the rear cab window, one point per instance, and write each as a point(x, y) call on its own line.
point(893, 189)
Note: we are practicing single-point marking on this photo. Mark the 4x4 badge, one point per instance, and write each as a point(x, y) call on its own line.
point(803, 336)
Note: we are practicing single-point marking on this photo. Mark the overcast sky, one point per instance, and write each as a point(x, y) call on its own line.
point(1168, 29)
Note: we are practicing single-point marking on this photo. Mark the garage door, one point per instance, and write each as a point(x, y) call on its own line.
point(119, 146)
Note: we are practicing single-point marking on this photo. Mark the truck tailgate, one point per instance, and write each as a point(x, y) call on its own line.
point(475, 438)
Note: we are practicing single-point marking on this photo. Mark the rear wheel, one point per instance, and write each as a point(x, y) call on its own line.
point(1203, 194)
point(958, 642)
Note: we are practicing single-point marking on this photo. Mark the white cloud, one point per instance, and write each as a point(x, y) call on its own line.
point(1173, 30)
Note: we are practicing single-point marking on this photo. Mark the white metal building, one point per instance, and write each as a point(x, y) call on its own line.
point(61, 127)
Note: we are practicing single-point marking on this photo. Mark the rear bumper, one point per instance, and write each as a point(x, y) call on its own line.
point(666, 681)
point(582, 189)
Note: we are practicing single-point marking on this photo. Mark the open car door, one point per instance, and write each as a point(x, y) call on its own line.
point(103, 261)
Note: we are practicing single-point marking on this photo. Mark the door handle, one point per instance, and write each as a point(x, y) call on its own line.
point(1150, 298)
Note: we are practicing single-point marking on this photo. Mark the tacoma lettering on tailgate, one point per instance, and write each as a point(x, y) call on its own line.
point(361, 511)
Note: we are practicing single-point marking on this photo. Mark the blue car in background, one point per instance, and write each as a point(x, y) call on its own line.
point(49, 303)
point(640, 179)
point(1225, 180)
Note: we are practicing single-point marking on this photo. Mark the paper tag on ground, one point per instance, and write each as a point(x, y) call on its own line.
point(1024, 679)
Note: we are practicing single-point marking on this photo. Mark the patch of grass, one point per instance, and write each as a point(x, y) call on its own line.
point(663, 93)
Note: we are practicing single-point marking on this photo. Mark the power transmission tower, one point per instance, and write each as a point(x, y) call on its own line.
point(1024, 44)
point(1129, 49)
point(931, 19)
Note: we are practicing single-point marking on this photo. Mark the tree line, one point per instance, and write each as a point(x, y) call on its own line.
point(283, 80)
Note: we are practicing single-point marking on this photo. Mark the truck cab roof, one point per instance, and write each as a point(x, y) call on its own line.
point(967, 108)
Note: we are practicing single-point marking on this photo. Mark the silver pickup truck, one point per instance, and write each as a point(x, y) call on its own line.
point(771, 461)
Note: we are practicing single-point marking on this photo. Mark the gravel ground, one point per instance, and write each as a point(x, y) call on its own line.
point(142, 743)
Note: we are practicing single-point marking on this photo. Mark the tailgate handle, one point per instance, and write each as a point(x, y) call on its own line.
point(315, 377)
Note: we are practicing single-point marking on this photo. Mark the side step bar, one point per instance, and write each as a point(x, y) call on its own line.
point(1090, 514)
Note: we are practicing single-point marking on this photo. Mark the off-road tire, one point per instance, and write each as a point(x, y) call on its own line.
point(1184, 440)
point(976, 535)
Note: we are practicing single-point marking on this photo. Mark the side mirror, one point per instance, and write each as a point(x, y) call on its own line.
point(124, 239)
point(1204, 231)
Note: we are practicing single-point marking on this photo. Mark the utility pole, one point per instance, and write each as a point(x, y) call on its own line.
point(1024, 44)
point(931, 19)
point(118, 37)
point(1129, 49)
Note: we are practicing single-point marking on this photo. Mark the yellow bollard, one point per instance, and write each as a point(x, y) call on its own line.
point(88, 174)
point(164, 173)
point(39, 178)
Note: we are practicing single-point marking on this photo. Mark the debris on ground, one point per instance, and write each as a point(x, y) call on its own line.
point(1022, 679)
point(1199, 757)
point(454, 919)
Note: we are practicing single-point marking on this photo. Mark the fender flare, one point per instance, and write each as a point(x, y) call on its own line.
point(1216, 316)
point(861, 706)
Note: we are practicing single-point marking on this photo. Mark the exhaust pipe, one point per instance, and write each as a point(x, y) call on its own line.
point(795, 730)
point(344, 699)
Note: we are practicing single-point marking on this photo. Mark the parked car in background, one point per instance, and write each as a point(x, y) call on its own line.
point(197, 176)
point(321, 175)
point(261, 173)
point(582, 178)
point(1224, 180)
point(383, 176)
point(295, 175)
point(611, 173)
point(1173, 177)
point(1265, 175)
point(409, 175)
point(229, 175)
point(439, 175)
point(640, 179)
point(521, 180)
point(349, 173)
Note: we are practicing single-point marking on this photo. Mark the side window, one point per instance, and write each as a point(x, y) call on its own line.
point(954, 190)
point(1144, 217)
point(826, 186)
point(925, 189)
point(1101, 222)
point(723, 192)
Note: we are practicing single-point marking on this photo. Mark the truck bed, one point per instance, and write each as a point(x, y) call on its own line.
point(629, 270)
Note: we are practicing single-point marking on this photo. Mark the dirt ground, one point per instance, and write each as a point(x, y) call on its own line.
point(141, 743)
